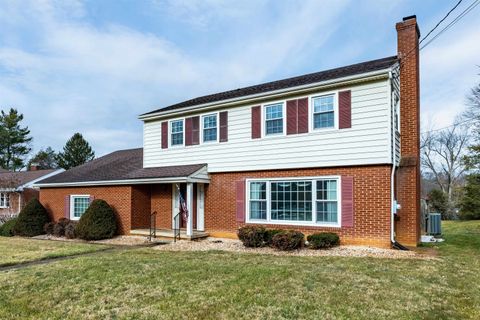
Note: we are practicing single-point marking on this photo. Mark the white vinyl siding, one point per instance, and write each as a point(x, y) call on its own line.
point(367, 142)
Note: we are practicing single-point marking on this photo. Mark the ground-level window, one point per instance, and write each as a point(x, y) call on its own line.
point(313, 201)
point(4, 200)
point(78, 206)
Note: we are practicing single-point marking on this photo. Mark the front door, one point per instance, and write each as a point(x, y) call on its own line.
point(176, 204)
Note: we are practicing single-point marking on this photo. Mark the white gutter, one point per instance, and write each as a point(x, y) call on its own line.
point(122, 182)
point(374, 75)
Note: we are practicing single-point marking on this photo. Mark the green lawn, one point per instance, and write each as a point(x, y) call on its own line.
point(149, 284)
point(17, 250)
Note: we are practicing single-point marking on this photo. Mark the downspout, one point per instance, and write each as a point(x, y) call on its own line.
point(393, 202)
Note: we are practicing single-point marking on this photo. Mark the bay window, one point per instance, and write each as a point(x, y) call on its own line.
point(312, 201)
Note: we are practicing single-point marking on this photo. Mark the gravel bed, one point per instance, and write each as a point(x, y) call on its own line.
point(119, 240)
point(341, 251)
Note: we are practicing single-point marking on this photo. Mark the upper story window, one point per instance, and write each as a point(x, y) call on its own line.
point(78, 206)
point(323, 112)
point(209, 123)
point(176, 137)
point(4, 200)
point(274, 119)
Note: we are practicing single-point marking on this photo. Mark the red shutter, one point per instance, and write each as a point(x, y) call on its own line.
point(347, 201)
point(224, 126)
point(256, 122)
point(195, 130)
point(165, 135)
point(345, 109)
point(188, 131)
point(302, 115)
point(292, 127)
point(66, 209)
point(240, 203)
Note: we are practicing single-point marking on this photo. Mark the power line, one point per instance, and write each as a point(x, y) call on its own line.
point(439, 22)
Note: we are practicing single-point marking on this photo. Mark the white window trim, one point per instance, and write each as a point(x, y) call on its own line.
point(264, 119)
point(313, 223)
point(6, 195)
point(170, 129)
point(217, 115)
point(72, 198)
point(311, 127)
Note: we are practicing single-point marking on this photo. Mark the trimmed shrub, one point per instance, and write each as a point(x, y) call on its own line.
point(70, 232)
point(98, 222)
point(31, 219)
point(6, 229)
point(288, 240)
point(269, 234)
point(252, 236)
point(58, 230)
point(323, 240)
point(48, 228)
point(63, 222)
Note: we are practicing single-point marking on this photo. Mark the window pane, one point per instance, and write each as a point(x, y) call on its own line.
point(258, 190)
point(291, 200)
point(323, 104)
point(274, 119)
point(258, 210)
point(327, 205)
point(327, 211)
point(80, 205)
point(323, 120)
point(177, 133)
point(210, 128)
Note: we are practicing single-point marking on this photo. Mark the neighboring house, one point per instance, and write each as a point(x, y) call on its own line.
point(329, 151)
point(16, 188)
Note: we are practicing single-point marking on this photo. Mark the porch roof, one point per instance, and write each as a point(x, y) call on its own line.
point(124, 167)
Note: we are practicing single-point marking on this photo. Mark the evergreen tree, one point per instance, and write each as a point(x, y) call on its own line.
point(14, 140)
point(470, 203)
point(76, 152)
point(438, 202)
point(44, 159)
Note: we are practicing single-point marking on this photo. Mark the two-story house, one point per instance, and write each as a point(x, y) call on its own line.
point(336, 150)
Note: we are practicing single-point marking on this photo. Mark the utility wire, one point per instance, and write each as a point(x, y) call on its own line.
point(443, 19)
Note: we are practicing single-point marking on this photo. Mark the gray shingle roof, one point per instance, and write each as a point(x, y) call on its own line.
point(354, 69)
point(10, 179)
point(120, 165)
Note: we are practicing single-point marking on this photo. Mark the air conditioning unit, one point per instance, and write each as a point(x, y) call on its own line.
point(434, 224)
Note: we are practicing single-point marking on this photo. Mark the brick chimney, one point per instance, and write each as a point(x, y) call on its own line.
point(34, 166)
point(407, 226)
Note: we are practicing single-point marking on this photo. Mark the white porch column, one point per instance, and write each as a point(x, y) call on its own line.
point(189, 199)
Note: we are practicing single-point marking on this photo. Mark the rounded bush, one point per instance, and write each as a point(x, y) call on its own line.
point(288, 240)
point(63, 222)
point(252, 236)
point(31, 219)
point(58, 230)
point(6, 229)
point(48, 228)
point(323, 240)
point(98, 222)
point(269, 234)
point(70, 232)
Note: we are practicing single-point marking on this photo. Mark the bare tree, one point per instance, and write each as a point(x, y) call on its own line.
point(442, 154)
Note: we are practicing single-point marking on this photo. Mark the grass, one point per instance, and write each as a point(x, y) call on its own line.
point(19, 250)
point(149, 284)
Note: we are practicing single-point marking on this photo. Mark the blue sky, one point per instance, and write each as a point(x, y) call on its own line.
point(94, 66)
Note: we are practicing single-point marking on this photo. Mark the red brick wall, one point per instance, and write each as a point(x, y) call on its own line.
point(372, 202)
point(14, 208)
point(408, 182)
point(162, 203)
point(119, 197)
point(141, 208)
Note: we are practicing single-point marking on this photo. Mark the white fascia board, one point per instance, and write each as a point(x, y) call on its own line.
point(370, 76)
point(121, 182)
point(31, 184)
